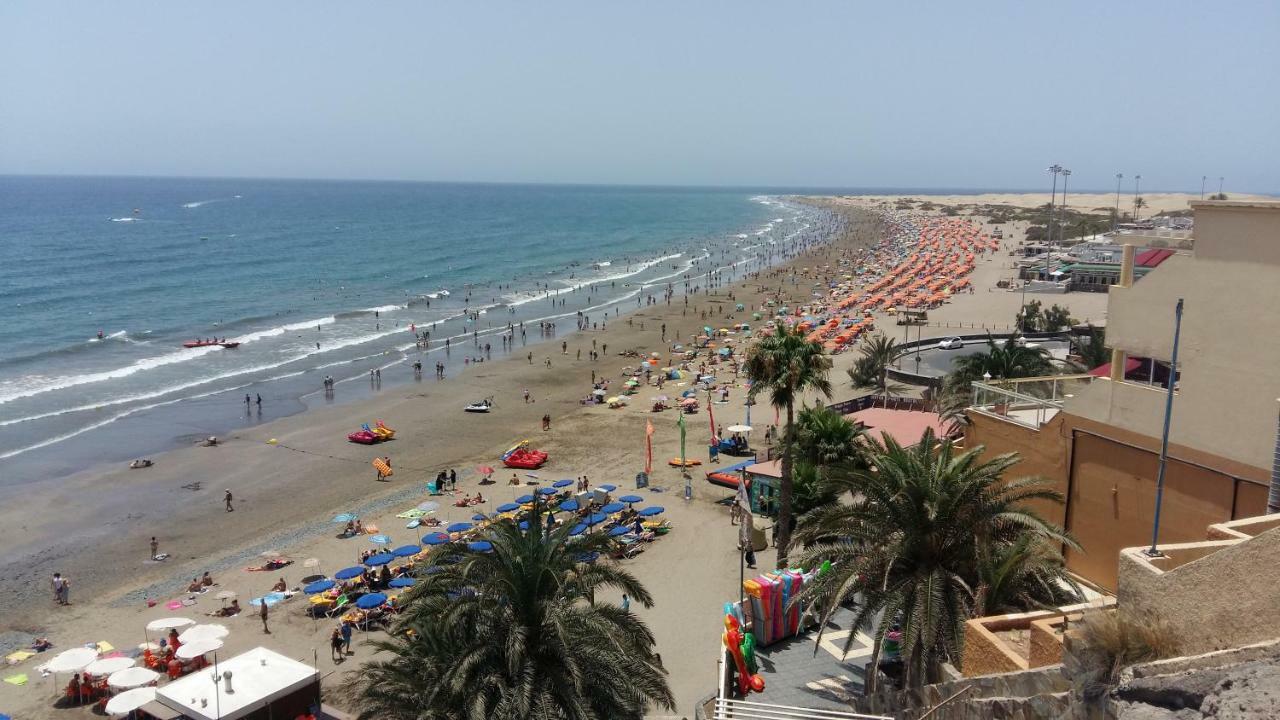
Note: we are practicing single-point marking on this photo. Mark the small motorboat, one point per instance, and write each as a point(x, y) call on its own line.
point(479, 407)
point(210, 343)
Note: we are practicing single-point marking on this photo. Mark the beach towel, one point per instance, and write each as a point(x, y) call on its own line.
point(413, 524)
point(19, 679)
point(410, 514)
point(174, 604)
point(18, 656)
point(105, 647)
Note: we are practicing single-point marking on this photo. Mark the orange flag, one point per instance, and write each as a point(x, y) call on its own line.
point(648, 450)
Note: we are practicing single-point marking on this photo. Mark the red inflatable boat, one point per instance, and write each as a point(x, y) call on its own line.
point(525, 459)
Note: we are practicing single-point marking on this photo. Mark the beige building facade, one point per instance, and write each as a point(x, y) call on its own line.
point(1098, 439)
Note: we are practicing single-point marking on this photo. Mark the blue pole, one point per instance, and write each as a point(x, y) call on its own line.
point(1164, 437)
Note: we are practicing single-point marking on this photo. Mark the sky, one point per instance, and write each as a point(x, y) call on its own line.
point(964, 95)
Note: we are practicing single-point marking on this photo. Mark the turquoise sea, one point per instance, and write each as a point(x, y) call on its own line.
point(312, 278)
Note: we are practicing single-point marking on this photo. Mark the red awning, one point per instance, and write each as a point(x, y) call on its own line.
point(1104, 370)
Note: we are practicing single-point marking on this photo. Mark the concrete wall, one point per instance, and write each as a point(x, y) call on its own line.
point(1217, 594)
point(1044, 453)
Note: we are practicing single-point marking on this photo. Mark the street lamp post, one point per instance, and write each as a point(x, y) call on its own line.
point(1022, 311)
point(1116, 219)
point(1164, 435)
point(1202, 179)
point(1220, 185)
point(1062, 234)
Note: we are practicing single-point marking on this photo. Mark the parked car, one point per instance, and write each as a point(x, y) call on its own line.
point(952, 343)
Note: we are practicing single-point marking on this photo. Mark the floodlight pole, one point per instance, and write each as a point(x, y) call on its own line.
point(1164, 437)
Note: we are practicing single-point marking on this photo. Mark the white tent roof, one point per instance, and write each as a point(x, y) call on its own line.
point(258, 676)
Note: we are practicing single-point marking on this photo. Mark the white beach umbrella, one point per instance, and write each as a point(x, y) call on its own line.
point(72, 660)
point(739, 428)
point(196, 648)
point(130, 700)
point(311, 563)
point(132, 677)
point(148, 646)
point(169, 623)
point(106, 666)
point(212, 631)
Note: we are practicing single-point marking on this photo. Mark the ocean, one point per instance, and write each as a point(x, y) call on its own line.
point(313, 279)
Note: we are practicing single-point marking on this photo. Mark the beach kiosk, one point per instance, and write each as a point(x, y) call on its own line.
point(765, 480)
point(260, 684)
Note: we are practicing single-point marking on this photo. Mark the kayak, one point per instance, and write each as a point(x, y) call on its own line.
point(202, 343)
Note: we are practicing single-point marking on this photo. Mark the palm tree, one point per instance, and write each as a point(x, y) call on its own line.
point(1024, 574)
point(911, 541)
point(871, 370)
point(786, 365)
point(513, 632)
point(1004, 361)
point(1093, 351)
point(826, 439)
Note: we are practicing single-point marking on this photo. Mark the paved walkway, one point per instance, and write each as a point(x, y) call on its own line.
point(795, 675)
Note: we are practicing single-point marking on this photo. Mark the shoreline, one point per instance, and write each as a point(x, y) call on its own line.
point(286, 493)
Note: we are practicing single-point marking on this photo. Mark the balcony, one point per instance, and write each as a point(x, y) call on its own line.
point(1030, 402)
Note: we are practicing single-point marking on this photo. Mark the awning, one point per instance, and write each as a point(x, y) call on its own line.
point(1104, 370)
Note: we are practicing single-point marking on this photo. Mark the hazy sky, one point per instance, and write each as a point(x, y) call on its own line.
point(943, 94)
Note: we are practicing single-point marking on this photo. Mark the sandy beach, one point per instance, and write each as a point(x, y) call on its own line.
point(291, 476)
point(1098, 202)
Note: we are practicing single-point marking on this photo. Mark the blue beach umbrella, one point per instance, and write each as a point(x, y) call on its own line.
point(344, 517)
point(651, 511)
point(318, 586)
point(435, 538)
point(480, 546)
point(546, 491)
point(524, 525)
point(524, 499)
point(479, 517)
point(380, 540)
point(379, 559)
point(406, 551)
point(612, 507)
point(569, 505)
point(562, 483)
point(628, 499)
point(459, 527)
point(607, 488)
point(588, 557)
point(597, 518)
point(401, 582)
point(508, 507)
point(619, 531)
point(371, 601)
point(578, 529)
point(348, 573)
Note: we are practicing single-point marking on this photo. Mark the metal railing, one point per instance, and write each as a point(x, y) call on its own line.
point(1026, 401)
point(744, 710)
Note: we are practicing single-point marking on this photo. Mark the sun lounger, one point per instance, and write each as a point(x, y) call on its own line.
point(339, 605)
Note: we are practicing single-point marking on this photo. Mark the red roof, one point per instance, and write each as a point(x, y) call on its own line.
point(1152, 257)
point(905, 426)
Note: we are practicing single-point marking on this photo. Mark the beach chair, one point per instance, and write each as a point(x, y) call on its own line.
point(339, 606)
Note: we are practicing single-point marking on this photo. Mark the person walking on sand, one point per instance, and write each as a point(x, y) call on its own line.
point(526, 396)
point(335, 646)
point(346, 634)
point(262, 613)
point(227, 499)
point(59, 585)
point(155, 547)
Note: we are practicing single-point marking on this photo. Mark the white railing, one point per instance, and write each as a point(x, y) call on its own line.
point(744, 710)
point(1030, 402)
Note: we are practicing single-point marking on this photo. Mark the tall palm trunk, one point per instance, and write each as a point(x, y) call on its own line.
point(784, 493)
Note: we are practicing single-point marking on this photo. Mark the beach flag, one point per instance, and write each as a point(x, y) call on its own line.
point(648, 447)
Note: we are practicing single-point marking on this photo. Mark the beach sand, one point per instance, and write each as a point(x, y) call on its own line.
point(1085, 202)
point(95, 526)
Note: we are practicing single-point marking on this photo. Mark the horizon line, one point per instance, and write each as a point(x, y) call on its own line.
point(817, 189)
